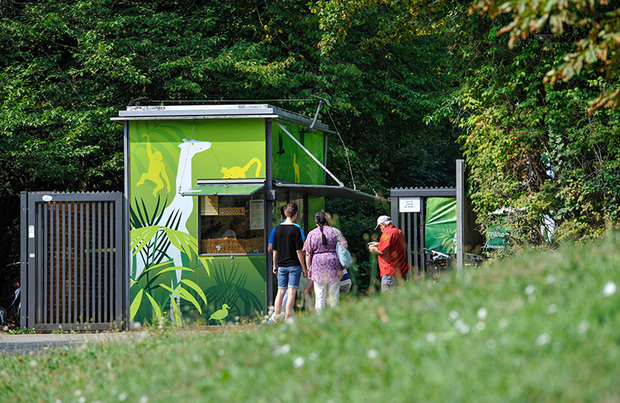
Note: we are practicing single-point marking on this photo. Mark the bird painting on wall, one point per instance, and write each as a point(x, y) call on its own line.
point(220, 314)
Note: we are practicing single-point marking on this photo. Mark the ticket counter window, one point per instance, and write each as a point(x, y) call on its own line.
point(232, 224)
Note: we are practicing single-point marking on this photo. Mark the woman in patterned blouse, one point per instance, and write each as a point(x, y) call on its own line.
point(322, 261)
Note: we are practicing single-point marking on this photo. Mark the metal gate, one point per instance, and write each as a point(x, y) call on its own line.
point(412, 221)
point(409, 203)
point(72, 255)
point(412, 226)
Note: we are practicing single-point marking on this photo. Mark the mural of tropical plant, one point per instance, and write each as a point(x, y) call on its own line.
point(230, 289)
point(150, 242)
point(440, 231)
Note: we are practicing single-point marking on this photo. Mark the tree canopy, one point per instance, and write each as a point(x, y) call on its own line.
point(534, 100)
point(593, 25)
point(528, 90)
point(67, 67)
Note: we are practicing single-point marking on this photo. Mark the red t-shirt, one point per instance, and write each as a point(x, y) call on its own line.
point(393, 260)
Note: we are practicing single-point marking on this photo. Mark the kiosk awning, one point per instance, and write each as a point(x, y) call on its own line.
point(206, 187)
point(212, 188)
point(330, 191)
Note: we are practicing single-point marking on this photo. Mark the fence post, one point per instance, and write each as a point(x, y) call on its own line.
point(460, 212)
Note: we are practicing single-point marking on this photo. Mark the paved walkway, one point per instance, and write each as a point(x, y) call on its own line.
point(28, 343)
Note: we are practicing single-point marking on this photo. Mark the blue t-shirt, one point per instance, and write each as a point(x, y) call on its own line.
point(303, 237)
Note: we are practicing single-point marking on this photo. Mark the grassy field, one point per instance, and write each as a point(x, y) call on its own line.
point(539, 327)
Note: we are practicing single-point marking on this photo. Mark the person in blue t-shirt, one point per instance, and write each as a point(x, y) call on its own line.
point(288, 260)
point(282, 219)
point(270, 250)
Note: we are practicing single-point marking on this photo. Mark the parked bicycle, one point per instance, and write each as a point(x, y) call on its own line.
point(11, 314)
point(438, 262)
point(435, 263)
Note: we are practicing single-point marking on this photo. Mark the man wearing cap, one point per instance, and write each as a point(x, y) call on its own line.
point(391, 250)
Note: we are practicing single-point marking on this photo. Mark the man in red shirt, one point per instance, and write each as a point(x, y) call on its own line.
point(391, 250)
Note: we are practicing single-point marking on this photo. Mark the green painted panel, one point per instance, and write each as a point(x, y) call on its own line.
point(161, 153)
point(290, 162)
point(440, 226)
point(240, 283)
point(167, 157)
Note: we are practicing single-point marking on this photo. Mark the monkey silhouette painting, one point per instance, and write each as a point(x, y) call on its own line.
point(157, 169)
point(239, 172)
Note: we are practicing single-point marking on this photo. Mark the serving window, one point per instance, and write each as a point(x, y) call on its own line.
point(232, 224)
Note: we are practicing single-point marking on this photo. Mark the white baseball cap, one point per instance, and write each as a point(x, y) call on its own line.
point(382, 219)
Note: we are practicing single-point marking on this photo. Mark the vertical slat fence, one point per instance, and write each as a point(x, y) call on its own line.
point(74, 252)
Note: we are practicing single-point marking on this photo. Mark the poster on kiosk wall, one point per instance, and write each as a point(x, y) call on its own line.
point(172, 275)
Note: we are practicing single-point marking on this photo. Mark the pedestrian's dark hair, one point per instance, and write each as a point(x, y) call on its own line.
point(290, 210)
point(320, 218)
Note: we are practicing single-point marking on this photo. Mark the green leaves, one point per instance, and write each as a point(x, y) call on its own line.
point(536, 150)
point(594, 24)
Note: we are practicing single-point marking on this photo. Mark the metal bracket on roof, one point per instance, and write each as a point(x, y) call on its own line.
point(310, 154)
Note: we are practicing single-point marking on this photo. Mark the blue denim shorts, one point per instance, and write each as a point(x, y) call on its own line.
point(288, 277)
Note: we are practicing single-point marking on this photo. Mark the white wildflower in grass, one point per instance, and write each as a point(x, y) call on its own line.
point(482, 313)
point(144, 399)
point(33, 363)
point(480, 326)
point(220, 352)
point(122, 397)
point(82, 399)
point(553, 308)
point(550, 279)
point(529, 290)
point(77, 393)
point(136, 325)
point(502, 323)
point(584, 326)
point(282, 350)
point(454, 315)
point(372, 353)
point(299, 361)
point(610, 289)
point(313, 356)
point(431, 337)
point(461, 326)
point(491, 343)
point(543, 339)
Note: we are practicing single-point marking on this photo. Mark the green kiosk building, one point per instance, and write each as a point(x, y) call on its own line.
point(203, 188)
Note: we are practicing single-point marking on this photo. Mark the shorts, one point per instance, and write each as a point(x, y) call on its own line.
point(387, 283)
point(288, 277)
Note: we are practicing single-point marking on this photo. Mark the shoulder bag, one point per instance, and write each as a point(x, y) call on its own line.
point(343, 253)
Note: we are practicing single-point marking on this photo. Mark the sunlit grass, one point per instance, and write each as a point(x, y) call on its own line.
point(541, 327)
